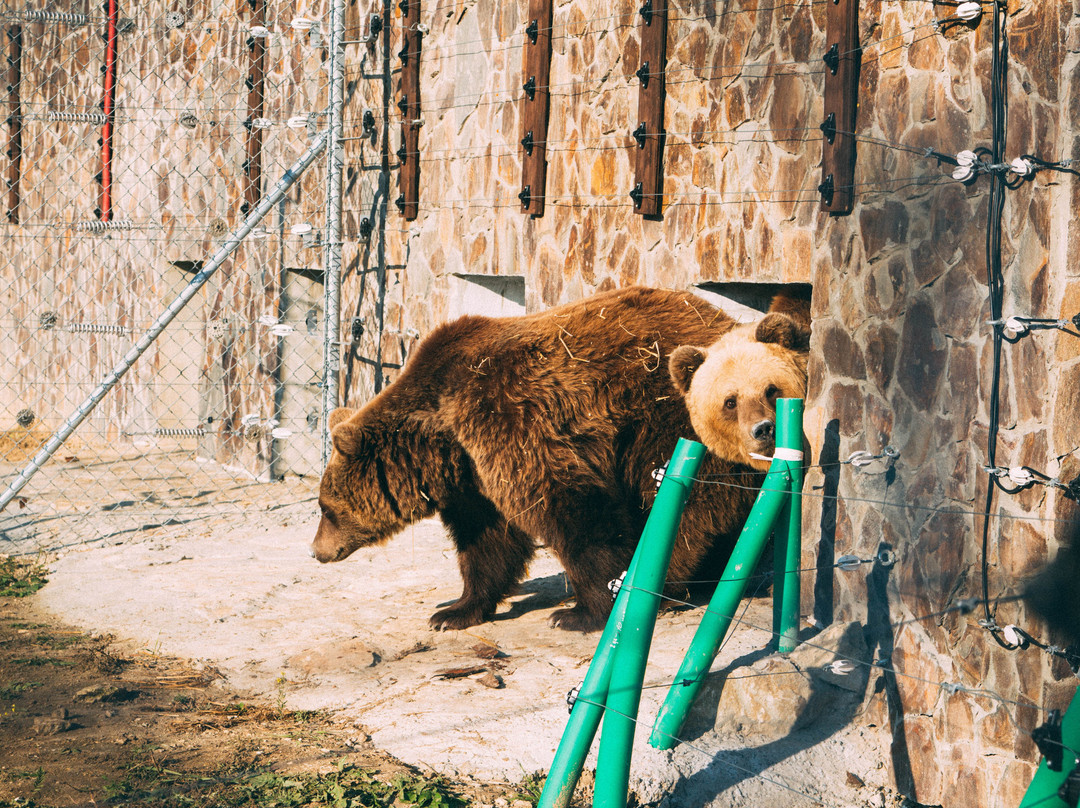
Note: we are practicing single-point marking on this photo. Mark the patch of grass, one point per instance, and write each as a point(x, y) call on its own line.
point(531, 787)
point(39, 661)
point(57, 643)
point(149, 785)
point(18, 579)
point(13, 690)
point(37, 775)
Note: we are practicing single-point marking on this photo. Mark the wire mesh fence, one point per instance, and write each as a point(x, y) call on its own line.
point(138, 142)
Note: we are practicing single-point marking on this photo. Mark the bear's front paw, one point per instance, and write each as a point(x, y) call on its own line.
point(578, 619)
point(455, 618)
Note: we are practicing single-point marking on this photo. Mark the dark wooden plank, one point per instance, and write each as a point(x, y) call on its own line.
point(842, 59)
point(535, 107)
point(408, 201)
point(13, 152)
point(256, 99)
point(648, 191)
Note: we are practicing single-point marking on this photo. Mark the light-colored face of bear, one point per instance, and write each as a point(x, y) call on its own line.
point(730, 389)
point(362, 497)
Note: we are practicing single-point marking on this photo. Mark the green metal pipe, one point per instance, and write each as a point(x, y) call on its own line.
point(588, 709)
point(775, 493)
point(635, 635)
point(788, 533)
point(1043, 790)
point(725, 601)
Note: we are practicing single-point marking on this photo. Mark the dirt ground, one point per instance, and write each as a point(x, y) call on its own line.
point(337, 672)
point(84, 722)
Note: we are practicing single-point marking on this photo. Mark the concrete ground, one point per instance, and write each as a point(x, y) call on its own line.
point(488, 702)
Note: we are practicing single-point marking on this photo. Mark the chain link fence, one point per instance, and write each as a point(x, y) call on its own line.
point(154, 153)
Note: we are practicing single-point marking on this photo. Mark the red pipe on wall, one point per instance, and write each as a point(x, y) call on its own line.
point(109, 95)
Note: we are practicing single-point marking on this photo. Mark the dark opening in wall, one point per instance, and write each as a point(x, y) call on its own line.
point(489, 295)
point(749, 301)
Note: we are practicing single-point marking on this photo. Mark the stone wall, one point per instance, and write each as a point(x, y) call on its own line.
point(902, 352)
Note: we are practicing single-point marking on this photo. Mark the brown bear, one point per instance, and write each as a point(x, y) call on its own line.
point(731, 386)
point(542, 429)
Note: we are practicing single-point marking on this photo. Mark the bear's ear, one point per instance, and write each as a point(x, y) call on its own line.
point(683, 363)
point(782, 330)
point(340, 415)
point(349, 436)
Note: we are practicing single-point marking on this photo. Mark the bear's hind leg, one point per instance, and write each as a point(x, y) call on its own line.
point(492, 557)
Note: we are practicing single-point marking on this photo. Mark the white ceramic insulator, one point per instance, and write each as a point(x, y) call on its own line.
point(1020, 475)
point(968, 11)
point(1021, 167)
point(963, 173)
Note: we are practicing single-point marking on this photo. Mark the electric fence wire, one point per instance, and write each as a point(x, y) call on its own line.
point(909, 505)
point(996, 285)
point(699, 73)
point(447, 52)
point(948, 687)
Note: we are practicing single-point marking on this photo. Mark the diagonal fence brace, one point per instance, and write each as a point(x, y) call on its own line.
point(227, 248)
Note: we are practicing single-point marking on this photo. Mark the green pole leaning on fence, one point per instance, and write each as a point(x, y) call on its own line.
point(1044, 790)
point(653, 554)
point(588, 707)
point(788, 532)
point(635, 636)
point(775, 491)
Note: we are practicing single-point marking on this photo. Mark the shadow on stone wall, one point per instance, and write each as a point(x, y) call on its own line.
point(829, 460)
point(879, 637)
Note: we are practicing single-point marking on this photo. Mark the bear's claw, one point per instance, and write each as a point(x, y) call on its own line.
point(577, 619)
point(456, 618)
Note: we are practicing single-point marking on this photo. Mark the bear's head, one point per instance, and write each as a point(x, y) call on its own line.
point(731, 387)
point(385, 472)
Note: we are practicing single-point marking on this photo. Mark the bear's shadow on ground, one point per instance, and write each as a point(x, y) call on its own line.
point(535, 594)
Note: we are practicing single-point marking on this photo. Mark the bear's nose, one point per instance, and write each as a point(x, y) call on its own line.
point(762, 430)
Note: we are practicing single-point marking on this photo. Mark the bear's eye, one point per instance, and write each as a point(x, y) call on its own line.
point(730, 403)
point(771, 391)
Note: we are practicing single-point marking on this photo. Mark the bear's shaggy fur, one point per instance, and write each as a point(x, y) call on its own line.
point(542, 429)
point(731, 386)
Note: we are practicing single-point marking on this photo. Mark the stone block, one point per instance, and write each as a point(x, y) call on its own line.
point(922, 355)
point(780, 693)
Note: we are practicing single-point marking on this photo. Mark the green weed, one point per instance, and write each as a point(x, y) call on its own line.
point(18, 579)
point(152, 786)
point(16, 689)
point(531, 786)
point(39, 661)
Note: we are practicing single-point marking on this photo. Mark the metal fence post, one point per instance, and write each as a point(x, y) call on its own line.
point(645, 576)
point(1050, 786)
point(788, 532)
point(635, 636)
point(332, 265)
